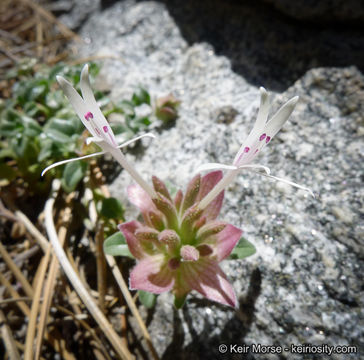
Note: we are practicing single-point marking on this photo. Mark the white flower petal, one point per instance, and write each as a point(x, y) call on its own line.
point(253, 166)
point(281, 116)
point(218, 166)
point(258, 128)
point(93, 139)
point(215, 166)
point(101, 127)
point(76, 101)
point(289, 183)
point(71, 160)
point(135, 139)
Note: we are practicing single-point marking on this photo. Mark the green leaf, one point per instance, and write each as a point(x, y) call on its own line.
point(141, 96)
point(66, 127)
point(72, 174)
point(116, 245)
point(147, 299)
point(111, 208)
point(126, 107)
point(243, 249)
point(56, 135)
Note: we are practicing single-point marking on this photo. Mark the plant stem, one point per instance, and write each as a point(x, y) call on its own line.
point(220, 186)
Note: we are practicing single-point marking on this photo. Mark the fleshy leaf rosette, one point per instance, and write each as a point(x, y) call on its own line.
point(178, 247)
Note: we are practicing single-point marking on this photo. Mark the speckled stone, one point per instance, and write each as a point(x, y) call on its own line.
point(304, 285)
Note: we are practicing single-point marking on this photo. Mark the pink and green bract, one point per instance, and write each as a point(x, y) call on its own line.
point(179, 246)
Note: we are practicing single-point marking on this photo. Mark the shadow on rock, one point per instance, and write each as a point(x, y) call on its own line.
point(204, 345)
point(265, 46)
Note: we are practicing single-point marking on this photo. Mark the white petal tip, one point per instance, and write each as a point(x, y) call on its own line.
point(84, 71)
point(60, 80)
point(263, 92)
point(293, 101)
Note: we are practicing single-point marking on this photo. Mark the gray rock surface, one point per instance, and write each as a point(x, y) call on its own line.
point(304, 285)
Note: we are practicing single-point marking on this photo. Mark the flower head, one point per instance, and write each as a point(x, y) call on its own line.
point(262, 134)
point(88, 111)
point(91, 116)
point(166, 108)
point(178, 246)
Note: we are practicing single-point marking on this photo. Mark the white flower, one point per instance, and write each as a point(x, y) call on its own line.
point(91, 116)
point(262, 133)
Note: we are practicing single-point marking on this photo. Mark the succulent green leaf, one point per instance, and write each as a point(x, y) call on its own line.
point(72, 174)
point(243, 249)
point(116, 245)
point(141, 96)
point(112, 208)
point(147, 299)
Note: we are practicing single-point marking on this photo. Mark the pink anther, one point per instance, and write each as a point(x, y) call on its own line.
point(262, 137)
point(89, 116)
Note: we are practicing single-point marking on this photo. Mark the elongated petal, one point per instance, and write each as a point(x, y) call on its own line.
point(71, 160)
point(226, 241)
point(128, 229)
point(281, 116)
point(290, 183)
point(218, 166)
point(215, 166)
point(152, 274)
point(97, 140)
point(208, 182)
point(206, 277)
point(126, 143)
point(76, 101)
point(96, 117)
point(140, 198)
point(259, 123)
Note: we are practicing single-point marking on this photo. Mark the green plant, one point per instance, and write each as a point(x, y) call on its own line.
point(39, 127)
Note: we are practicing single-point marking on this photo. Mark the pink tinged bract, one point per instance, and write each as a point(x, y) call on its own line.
point(128, 229)
point(206, 277)
point(152, 274)
point(141, 199)
point(226, 241)
point(208, 182)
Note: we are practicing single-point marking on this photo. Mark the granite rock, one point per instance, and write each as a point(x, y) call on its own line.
point(304, 285)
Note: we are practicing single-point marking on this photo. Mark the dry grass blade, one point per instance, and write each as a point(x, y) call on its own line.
point(119, 277)
point(9, 301)
point(51, 18)
point(8, 339)
point(15, 295)
point(101, 267)
point(15, 270)
point(104, 324)
point(38, 236)
point(88, 328)
point(129, 300)
point(29, 342)
point(50, 284)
